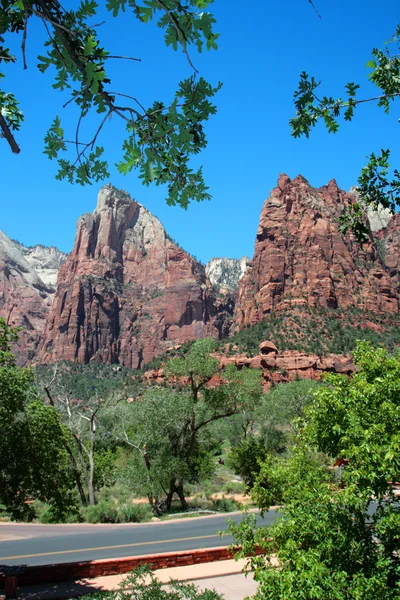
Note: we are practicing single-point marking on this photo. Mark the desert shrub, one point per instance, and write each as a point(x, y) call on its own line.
point(48, 514)
point(104, 512)
point(226, 504)
point(234, 487)
point(134, 513)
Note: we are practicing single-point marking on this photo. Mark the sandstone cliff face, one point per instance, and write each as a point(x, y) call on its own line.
point(225, 273)
point(126, 292)
point(301, 259)
point(388, 243)
point(25, 293)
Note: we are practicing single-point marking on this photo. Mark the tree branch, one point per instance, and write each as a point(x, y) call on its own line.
point(314, 7)
point(179, 32)
point(6, 133)
point(124, 57)
point(215, 418)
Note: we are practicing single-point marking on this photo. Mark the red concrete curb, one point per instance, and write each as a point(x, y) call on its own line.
point(53, 573)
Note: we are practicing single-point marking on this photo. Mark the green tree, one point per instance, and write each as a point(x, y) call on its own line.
point(33, 463)
point(274, 417)
point(333, 543)
point(378, 185)
point(160, 139)
point(80, 401)
point(168, 428)
point(283, 405)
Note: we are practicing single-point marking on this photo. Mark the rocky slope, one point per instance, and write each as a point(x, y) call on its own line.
point(301, 259)
point(225, 273)
point(127, 293)
point(45, 260)
point(26, 290)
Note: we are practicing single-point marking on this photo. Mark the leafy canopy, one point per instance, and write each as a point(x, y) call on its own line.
point(333, 543)
point(33, 463)
point(378, 185)
point(160, 139)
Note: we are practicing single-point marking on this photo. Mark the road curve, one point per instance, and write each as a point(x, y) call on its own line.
point(45, 544)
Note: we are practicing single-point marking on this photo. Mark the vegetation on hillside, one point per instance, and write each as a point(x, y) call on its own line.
point(320, 331)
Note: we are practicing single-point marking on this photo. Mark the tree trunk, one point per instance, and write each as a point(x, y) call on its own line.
point(92, 498)
point(181, 495)
point(170, 495)
point(77, 476)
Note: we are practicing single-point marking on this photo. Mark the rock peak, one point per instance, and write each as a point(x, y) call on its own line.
point(301, 179)
point(111, 197)
point(302, 259)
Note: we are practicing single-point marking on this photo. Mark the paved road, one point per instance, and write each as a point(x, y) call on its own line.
point(44, 544)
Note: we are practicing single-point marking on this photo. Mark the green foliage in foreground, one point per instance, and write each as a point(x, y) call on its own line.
point(328, 544)
point(160, 139)
point(143, 584)
point(33, 463)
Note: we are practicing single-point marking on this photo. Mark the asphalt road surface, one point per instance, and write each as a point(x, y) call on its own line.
point(22, 544)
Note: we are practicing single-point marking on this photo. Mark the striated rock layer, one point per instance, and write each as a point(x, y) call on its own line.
point(126, 292)
point(26, 291)
point(301, 258)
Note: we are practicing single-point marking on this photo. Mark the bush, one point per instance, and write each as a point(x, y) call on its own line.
point(107, 511)
point(104, 512)
point(134, 513)
point(49, 515)
point(226, 504)
point(234, 487)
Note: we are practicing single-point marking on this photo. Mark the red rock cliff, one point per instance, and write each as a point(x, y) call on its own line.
point(26, 296)
point(127, 292)
point(301, 259)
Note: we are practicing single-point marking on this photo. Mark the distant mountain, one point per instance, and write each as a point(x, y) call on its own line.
point(225, 273)
point(27, 285)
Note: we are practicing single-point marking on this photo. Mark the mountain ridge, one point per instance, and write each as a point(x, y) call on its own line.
point(127, 292)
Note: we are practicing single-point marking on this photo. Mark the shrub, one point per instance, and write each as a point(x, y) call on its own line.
point(226, 504)
point(234, 487)
point(134, 513)
point(104, 512)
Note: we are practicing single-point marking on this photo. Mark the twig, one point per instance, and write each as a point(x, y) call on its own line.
point(23, 43)
point(179, 32)
point(130, 97)
point(54, 23)
point(314, 7)
point(124, 57)
point(9, 313)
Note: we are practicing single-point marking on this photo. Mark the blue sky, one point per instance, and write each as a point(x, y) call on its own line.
point(263, 47)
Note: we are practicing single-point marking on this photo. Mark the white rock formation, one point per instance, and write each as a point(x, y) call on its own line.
point(225, 273)
point(46, 262)
point(36, 266)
